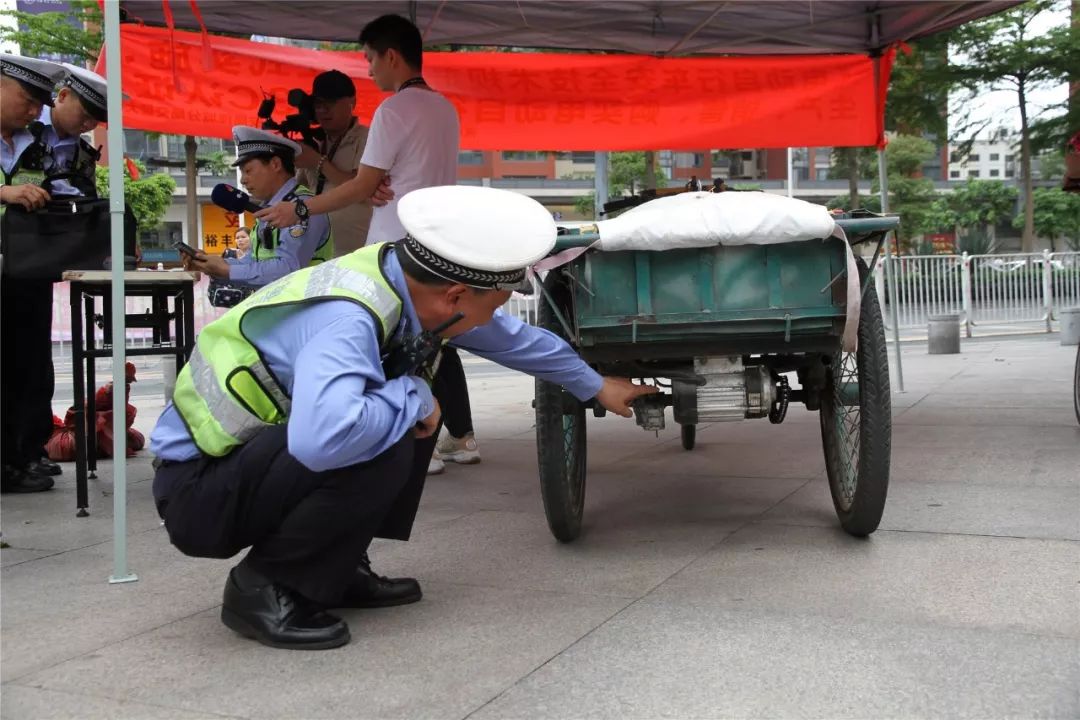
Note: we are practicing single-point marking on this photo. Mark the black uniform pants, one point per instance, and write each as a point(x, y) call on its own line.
point(307, 530)
point(453, 393)
point(26, 369)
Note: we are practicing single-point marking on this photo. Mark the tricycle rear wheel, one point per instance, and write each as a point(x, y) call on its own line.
point(689, 436)
point(856, 423)
point(560, 431)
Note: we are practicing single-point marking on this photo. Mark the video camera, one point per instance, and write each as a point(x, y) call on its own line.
point(297, 126)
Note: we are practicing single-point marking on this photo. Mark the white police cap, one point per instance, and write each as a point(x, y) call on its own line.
point(477, 236)
point(38, 77)
point(91, 88)
point(252, 141)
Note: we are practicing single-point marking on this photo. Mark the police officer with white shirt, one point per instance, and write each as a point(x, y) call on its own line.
point(267, 172)
point(26, 375)
point(285, 434)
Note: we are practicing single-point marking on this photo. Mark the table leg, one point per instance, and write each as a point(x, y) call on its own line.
point(189, 319)
point(77, 378)
point(91, 390)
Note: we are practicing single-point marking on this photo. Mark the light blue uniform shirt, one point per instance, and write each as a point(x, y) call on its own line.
point(63, 153)
point(20, 140)
point(344, 411)
point(293, 251)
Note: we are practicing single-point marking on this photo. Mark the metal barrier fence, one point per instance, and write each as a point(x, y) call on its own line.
point(983, 289)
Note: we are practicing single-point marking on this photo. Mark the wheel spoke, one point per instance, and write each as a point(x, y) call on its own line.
point(846, 425)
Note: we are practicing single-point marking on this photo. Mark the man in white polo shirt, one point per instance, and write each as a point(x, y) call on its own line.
point(413, 139)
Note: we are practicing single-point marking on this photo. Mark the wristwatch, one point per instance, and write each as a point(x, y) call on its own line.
point(302, 211)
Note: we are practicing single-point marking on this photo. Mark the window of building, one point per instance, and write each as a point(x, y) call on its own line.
point(1009, 171)
point(995, 172)
point(994, 157)
point(690, 160)
point(583, 157)
point(954, 157)
point(822, 155)
point(719, 158)
point(523, 156)
point(1008, 158)
point(973, 173)
point(822, 174)
point(974, 158)
point(470, 157)
point(954, 173)
point(162, 237)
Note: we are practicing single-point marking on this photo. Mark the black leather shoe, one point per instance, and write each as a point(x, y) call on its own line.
point(21, 481)
point(368, 590)
point(45, 466)
point(280, 618)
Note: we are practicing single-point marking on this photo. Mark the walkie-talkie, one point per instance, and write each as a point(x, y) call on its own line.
point(406, 357)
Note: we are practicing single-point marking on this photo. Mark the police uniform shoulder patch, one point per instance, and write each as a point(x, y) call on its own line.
point(297, 231)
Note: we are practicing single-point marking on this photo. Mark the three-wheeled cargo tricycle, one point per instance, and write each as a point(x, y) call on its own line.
point(719, 328)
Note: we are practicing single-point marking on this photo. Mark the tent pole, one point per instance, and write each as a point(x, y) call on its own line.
point(790, 172)
point(893, 314)
point(120, 573)
point(601, 183)
point(191, 179)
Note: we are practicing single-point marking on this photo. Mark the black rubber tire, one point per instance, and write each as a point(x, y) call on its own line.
point(1076, 386)
point(859, 492)
point(689, 437)
point(560, 432)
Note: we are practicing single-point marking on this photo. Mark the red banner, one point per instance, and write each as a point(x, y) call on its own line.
point(190, 85)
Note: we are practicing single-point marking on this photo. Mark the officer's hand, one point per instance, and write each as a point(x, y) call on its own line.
point(213, 265)
point(383, 194)
point(617, 394)
point(282, 215)
point(428, 426)
point(30, 197)
point(309, 158)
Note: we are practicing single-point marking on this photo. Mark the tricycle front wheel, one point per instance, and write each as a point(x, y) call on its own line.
point(560, 431)
point(856, 423)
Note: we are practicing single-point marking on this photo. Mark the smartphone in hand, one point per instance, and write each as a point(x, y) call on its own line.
point(185, 248)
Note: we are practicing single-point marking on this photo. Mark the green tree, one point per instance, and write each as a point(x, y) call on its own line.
point(918, 97)
point(852, 163)
point(148, 197)
point(979, 206)
point(76, 33)
point(1057, 215)
point(627, 173)
point(910, 196)
point(1003, 52)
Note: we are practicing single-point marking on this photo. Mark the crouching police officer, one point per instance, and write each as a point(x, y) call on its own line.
point(267, 168)
point(285, 434)
point(26, 374)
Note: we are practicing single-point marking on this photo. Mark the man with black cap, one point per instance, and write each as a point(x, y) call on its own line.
point(26, 371)
point(286, 433)
point(267, 169)
point(337, 157)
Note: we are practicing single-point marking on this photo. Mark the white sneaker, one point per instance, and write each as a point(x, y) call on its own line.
point(463, 451)
point(436, 465)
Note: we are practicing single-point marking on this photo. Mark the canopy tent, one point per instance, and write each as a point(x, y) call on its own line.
point(187, 84)
point(648, 27)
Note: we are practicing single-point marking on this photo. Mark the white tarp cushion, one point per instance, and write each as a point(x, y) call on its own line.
point(702, 219)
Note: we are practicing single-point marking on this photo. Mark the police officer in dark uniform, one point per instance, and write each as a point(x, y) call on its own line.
point(26, 304)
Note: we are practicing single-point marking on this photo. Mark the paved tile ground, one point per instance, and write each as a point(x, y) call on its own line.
point(707, 584)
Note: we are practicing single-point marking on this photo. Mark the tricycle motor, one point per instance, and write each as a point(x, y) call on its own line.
point(731, 391)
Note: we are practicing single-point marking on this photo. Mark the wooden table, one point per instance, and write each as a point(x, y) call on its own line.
point(179, 340)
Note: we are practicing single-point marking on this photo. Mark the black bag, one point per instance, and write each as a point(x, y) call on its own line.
point(223, 295)
point(68, 233)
